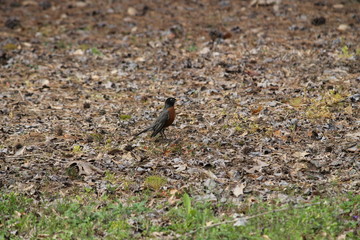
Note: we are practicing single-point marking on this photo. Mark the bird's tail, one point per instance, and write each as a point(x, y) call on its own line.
point(145, 130)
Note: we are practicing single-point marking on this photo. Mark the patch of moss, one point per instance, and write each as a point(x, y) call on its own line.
point(296, 102)
point(124, 117)
point(155, 182)
point(330, 101)
point(77, 149)
point(10, 47)
point(84, 47)
point(239, 128)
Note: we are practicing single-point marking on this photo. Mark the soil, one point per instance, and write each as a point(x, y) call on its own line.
point(267, 97)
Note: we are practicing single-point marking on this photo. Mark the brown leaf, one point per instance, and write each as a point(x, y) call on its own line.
point(257, 110)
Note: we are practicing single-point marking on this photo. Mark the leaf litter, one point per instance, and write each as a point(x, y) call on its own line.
point(267, 97)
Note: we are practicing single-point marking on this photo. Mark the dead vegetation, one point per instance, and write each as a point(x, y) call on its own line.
point(268, 97)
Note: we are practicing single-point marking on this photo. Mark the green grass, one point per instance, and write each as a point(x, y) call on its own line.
point(192, 48)
point(85, 217)
point(96, 51)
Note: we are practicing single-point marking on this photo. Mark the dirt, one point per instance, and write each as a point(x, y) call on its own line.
point(267, 97)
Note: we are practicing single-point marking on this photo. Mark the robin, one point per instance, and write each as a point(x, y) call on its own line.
point(166, 118)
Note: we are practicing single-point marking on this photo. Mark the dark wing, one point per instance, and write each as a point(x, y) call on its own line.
point(160, 122)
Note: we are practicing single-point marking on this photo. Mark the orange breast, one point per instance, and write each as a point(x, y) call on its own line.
point(171, 116)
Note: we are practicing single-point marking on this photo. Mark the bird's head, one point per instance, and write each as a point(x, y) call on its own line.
point(170, 102)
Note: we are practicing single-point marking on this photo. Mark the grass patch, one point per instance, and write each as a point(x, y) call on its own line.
point(98, 137)
point(96, 51)
point(124, 117)
point(192, 48)
point(84, 216)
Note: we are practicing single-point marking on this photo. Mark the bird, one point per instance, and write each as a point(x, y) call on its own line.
point(165, 119)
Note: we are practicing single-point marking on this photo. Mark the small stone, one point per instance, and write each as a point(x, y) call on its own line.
point(140, 59)
point(343, 27)
point(216, 54)
point(80, 4)
point(338, 6)
point(95, 77)
point(109, 85)
point(206, 140)
point(140, 169)
point(204, 50)
point(336, 163)
point(355, 97)
point(272, 103)
point(132, 11)
point(26, 44)
point(177, 160)
point(44, 82)
point(78, 52)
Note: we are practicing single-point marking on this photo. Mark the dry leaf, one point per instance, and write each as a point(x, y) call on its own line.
point(301, 155)
point(84, 168)
point(240, 222)
point(20, 152)
point(239, 189)
point(257, 110)
point(298, 167)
